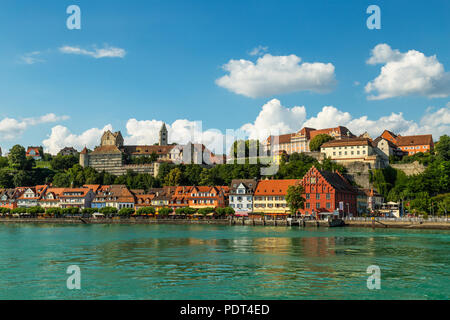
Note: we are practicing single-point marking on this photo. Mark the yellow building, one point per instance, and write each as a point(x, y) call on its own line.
point(270, 196)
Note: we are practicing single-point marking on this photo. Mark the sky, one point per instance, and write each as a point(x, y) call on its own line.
point(260, 67)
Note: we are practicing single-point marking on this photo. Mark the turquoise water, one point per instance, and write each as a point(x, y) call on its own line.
point(221, 262)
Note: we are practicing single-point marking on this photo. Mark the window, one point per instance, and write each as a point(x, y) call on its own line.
point(307, 205)
point(317, 205)
point(317, 196)
point(328, 205)
point(328, 196)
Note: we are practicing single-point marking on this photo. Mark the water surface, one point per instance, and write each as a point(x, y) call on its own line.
point(221, 262)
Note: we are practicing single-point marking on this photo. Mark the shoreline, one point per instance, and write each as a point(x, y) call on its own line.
point(281, 223)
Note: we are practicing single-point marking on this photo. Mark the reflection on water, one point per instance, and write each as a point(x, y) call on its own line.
point(221, 262)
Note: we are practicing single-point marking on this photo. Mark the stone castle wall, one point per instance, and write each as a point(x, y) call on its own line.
point(410, 168)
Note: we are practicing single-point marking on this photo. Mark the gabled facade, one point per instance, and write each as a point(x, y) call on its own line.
point(51, 198)
point(117, 196)
point(270, 196)
point(76, 197)
point(9, 197)
point(326, 192)
point(205, 197)
point(34, 152)
point(241, 195)
point(31, 196)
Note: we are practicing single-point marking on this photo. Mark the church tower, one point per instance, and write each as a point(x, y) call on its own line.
point(163, 135)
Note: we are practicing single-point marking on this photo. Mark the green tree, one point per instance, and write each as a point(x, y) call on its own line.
point(443, 148)
point(295, 199)
point(22, 179)
point(318, 140)
point(4, 162)
point(17, 157)
point(6, 180)
point(146, 210)
point(164, 211)
point(126, 212)
point(174, 177)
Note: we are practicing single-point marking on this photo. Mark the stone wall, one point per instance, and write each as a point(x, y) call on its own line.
point(359, 173)
point(410, 168)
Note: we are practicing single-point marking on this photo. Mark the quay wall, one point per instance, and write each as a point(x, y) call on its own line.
point(237, 222)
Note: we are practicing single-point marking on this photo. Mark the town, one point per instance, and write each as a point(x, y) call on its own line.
point(339, 177)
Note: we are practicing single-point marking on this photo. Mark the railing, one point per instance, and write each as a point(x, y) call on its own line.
point(402, 219)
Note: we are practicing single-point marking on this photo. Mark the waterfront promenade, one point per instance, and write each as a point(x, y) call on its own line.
point(403, 223)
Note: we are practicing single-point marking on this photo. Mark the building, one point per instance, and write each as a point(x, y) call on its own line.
point(143, 200)
point(31, 196)
point(415, 144)
point(299, 142)
point(241, 195)
point(387, 147)
point(410, 144)
point(162, 197)
point(180, 198)
point(68, 151)
point(270, 196)
point(51, 198)
point(113, 157)
point(34, 152)
point(8, 197)
point(326, 192)
point(346, 151)
point(76, 198)
point(116, 196)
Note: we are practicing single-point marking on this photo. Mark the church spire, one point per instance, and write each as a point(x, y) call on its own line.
point(163, 135)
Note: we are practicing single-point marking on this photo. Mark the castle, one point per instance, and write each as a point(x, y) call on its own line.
point(116, 158)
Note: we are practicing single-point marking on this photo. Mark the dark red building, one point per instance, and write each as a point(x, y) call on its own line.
point(328, 191)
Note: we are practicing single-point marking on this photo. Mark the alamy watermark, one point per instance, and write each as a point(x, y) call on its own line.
point(374, 20)
point(374, 280)
point(74, 280)
point(74, 20)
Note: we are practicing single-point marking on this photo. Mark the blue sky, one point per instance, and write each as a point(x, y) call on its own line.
point(174, 53)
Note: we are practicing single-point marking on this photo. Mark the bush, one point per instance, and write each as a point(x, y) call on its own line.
point(145, 210)
point(126, 212)
point(35, 210)
point(19, 210)
point(5, 210)
point(165, 211)
point(71, 211)
point(108, 210)
point(205, 211)
point(54, 211)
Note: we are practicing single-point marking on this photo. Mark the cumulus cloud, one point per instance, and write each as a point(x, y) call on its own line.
point(181, 131)
point(10, 128)
point(61, 137)
point(275, 119)
point(275, 75)
point(403, 74)
point(98, 53)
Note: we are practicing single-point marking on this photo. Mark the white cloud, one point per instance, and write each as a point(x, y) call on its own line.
point(259, 50)
point(272, 75)
point(31, 58)
point(275, 119)
point(106, 52)
point(12, 128)
point(182, 131)
point(61, 137)
point(403, 74)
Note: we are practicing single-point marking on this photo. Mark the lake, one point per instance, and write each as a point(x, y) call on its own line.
point(164, 261)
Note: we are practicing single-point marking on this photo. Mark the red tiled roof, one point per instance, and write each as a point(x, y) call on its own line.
point(347, 142)
point(275, 187)
point(426, 139)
